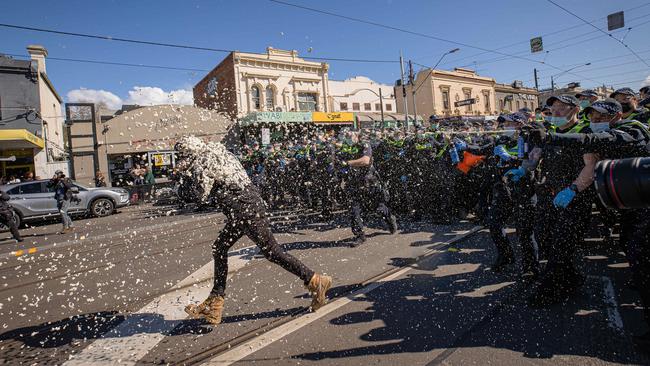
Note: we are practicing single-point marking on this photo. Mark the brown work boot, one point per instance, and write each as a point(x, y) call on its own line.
point(210, 309)
point(318, 286)
point(65, 230)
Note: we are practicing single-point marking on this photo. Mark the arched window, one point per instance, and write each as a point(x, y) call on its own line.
point(255, 94)
point(270, 98)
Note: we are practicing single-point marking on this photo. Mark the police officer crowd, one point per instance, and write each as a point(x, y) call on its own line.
point(531, 170)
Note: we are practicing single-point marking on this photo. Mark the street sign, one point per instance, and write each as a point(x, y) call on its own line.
point(536, 45)
point(615, 21)
point(461, 103)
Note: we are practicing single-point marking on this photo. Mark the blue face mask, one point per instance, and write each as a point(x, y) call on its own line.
point(599, 126)
point(557, 121)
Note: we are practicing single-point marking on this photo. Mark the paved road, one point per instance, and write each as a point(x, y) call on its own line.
point(114, 292)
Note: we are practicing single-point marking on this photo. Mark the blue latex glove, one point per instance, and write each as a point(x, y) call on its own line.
point(501, 152)
point(460, 144)
point(516, 174)
point(564, 198)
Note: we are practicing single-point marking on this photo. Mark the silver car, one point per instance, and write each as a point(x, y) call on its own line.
point(34, 200)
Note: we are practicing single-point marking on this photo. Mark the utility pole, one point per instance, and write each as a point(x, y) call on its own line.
point(536, 83)
point(552, 84)
point(412, 82)
point(406, 108)
point(381, 107)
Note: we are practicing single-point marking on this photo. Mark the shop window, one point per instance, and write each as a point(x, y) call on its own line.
point(366, 107)
point(306, 102)
point(377, 106)
point(270, 99)
point(389, 107)
point(355, 107)
point(344, 106)
point(255, 94)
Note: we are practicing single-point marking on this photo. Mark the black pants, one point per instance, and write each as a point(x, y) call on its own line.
point(566, 228)
point(6, 218)
point(247, 216)
point(501, 208)
point(374, 197)
point(635, 238)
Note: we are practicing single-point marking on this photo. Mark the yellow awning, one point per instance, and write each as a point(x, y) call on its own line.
point(18, 136)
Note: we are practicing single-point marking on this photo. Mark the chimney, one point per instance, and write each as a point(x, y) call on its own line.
point(38, 53)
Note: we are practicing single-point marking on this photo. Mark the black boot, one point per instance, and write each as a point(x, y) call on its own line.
point(502, 261)
point(392, 224)
point(642, 341)
point(358, 240)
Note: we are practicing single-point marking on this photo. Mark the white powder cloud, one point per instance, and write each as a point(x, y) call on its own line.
point(141, 95)
point(147, 95)
point(101, 97)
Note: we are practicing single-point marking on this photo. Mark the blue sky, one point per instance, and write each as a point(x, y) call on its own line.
point(252, 25)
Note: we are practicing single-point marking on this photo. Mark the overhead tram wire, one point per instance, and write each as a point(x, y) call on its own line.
point(498, 59)
point(550, 34)
point(174, 45)
point(616, 39)
point(419, 34)
point(111, 63)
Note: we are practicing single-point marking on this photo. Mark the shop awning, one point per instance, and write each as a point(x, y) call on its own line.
point(20, 139)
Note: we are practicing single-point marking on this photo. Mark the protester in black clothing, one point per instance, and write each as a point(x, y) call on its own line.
point(6, 216)
point(215, 173)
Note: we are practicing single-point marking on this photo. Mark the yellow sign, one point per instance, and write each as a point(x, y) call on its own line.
point(335, 117)
point(161, 159)
point(21, 135)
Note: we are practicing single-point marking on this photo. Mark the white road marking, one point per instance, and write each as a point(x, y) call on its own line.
point(246, 349)
point(614, 318)
point(142, 330)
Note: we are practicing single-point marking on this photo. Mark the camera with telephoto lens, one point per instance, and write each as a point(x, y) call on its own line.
point(623, 183)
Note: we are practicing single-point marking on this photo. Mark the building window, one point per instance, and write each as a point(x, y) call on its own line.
point(355, 106)
point(377, 106)
point(518, 105)
point(366, 107)
point(344, 106)
point(445, 100)
point(487, 102)
point(389, 107)
point(500, 105)
point(270, 98)
point(468, 95)
point(255, 94)
point(306, 102)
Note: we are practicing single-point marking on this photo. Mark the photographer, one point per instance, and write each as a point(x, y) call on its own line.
point(63, 194)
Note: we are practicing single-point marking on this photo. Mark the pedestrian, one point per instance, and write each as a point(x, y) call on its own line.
point(13, 180)
point(100, 180)
point(215, 173)
point(29, 176)
point(149, 181)
point(63, 191)
point(6, 216)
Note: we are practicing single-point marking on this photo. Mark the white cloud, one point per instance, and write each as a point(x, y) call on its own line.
point(147, 95)
point(102, 97)
point(646, 82)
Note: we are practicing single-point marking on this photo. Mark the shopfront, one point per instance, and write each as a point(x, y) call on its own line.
point(17, 151)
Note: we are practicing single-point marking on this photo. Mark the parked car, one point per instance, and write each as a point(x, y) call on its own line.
point(33, 200)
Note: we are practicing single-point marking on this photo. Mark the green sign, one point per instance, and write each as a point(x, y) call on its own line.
point(536, 45)
point(276, 117)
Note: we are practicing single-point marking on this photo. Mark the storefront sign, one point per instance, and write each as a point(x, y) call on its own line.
point(461, 103)
point(277, 117)
point(335, 118)
point(162, 159)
